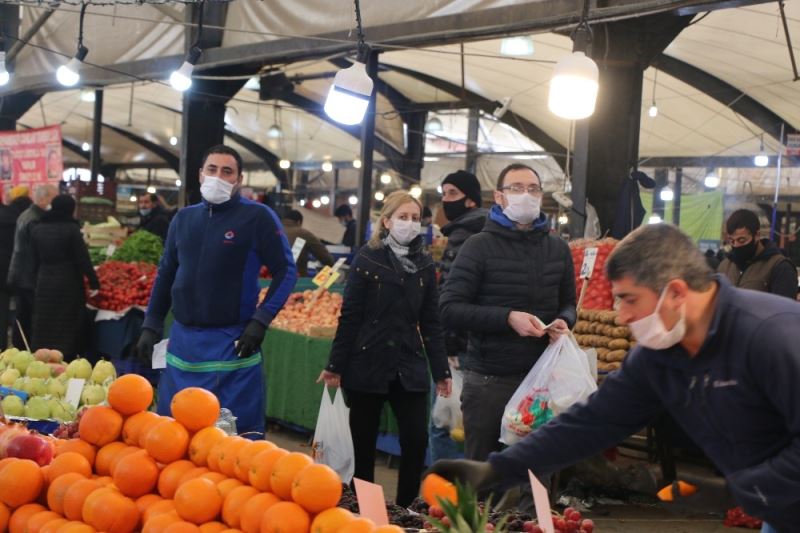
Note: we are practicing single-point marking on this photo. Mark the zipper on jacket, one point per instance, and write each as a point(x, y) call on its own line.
point(692, 383)
point(708, 415)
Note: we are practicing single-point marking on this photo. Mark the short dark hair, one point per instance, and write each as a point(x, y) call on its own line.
point(515, 166)
point(153, 197)
point(227, 150)
point(294, 214)
point(343, 211)
point(426, 212)
point(743, 218)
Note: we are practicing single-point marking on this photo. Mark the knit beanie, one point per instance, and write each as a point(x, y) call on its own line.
point(467, 183)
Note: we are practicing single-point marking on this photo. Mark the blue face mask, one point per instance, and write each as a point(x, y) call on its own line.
point(145, 212)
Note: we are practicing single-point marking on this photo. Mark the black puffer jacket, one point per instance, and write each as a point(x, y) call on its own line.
point(457, 233)
point(503, 269)
point(8, 223)
point(383, 313)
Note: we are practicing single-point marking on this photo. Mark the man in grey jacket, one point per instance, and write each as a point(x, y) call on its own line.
point(21, 275)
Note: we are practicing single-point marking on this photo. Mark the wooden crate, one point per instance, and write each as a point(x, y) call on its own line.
point(94, 236)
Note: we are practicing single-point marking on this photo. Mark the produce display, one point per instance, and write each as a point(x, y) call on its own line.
point(44, 378)
point(603, 331)
point(141, 246)
point(123, 285)
point(17, 441)
point(105, 233)
point(314, 313)
point(133, 470)
point(598, 292)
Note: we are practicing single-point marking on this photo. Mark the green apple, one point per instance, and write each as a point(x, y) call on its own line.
point(36, 387)
point(8, 354)
point(103, 371)
point(21, 360)
point(9, 376)
point(13, 405)
point(92, 394)
point(19, 384)
point(56, 388)
point(37, 408)
point(79, 368)
point(61, 410)
point(38, 369)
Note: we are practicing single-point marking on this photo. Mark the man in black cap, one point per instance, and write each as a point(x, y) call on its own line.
point(461, 202)
point(345, 216)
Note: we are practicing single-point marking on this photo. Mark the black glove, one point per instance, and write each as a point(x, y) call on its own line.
point(478, 475)
point(251, 339)
point(144, 346)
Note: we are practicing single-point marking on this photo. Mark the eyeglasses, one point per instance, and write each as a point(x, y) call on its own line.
point(518, 188)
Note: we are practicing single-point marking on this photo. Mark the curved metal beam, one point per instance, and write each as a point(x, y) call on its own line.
point(172, 160)
point(725, 93)
point(270, 159)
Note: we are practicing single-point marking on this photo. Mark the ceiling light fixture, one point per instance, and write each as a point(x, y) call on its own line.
point(173, 140)
point(151, 189)
point(356, 163)
point(349, 95)
point(654, 219)
point(284, 164)
point(573, 87)
point(353, 200)
point(379, 196)
point(666, 194)
point(86, 146)
point(762, 159)
point(302, 202)
point(325, 200)
point(88, 95)
point(711, 181)
point(132, 198)
point(181, 79)
point(386, 178)
point(275, 131)
point(327, 166)
point(67, 75)
point(653, 111)
point(520, 45)
point(416, 191)
point(563, 219)
point(434, 125)
point(316, 204)
point(178, 182)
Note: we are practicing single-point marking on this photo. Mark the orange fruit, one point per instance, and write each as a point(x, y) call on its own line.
point(143, 503)
point(76, 445)
point(198, 501)
point(225, 487)
point(102, 461)
point(389, 528)
point(182, 527)
point(75, 497)
point(434, 487)
point(229, 451)
point(130, 394)
point(58, 489)
point(213, 527)
point(285, 517)
point(21, 482)
point(69, 462)
point(167, 442)
point(331, 520)
point(53, 525)
point(214, 477)
point(245, 457)
point(38, 520)
point(18, 521)
point(171, 475)
point(284, 472)
point(158, 508)
point(234, 503)
point(136, 474)
point(133, 426)
point(358, 525)
point(147, 425)
point(261, 468)
point(202, 442)
point(253, 511)
point(104, 481)
point(76, 526)
point(160, 523)
point(109, 511)
point(192, 474)
point(195, 408)
point(7, 460)
point(100, 425)
point(123, 453)
point(5, 516)
point(316, 488)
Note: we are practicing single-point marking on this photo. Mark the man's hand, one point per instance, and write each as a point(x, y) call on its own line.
point(330, 379)
point(444, 387)
point(479, 475)
point(453, 361)
point(251, 339)
point(557, 329)
point(144, 346)
point(525, 324)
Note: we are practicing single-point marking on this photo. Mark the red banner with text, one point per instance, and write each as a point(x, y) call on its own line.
point(30, 157)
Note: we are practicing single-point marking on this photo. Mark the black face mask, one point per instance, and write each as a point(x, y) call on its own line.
point(455, 208)
point(742, 254)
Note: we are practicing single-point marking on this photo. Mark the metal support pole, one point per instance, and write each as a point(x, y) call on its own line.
point(97, 128)
point(580, 167)
point(662, 177)
point(334, 188)
point(367, 145)
point(472, 140)
point(777, 186)
point(676, 204)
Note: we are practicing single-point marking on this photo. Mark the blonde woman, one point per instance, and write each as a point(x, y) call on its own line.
point(389, 337)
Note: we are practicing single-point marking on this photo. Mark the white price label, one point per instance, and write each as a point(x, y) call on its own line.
point(297, 247)
point(111, 249)
point(74, 390)
point(589, 258)
point(160, 355)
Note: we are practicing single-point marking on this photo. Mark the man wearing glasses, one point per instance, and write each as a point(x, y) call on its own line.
point(503, 281)
point(754, 263)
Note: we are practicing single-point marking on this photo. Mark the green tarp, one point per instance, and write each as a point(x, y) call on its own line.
point(701, 214)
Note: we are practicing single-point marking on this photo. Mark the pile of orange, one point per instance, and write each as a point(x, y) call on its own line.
point(133, 470)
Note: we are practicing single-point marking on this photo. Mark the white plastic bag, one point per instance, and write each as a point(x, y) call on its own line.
point(561, 377)
point(446, 412)
point(333, 443)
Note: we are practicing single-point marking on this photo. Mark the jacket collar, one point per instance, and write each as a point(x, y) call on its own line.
point(473, 220)
point(498, 222)
point(235, 199)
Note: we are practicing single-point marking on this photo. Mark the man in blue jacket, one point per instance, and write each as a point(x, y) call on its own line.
point(724, 362)
point(209, 276)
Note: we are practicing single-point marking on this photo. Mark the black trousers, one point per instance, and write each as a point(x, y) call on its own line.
point(411, 410)
point(24, 301)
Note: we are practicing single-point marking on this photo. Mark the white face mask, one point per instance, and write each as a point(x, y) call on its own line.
point(405, 231)
point(216, 190)
point(523, 208)
point(651, 333)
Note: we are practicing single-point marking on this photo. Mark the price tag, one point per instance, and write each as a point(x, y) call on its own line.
point(111, 249)
point(371, 503)
point(322, 276)
point(542, 504)
point(297, 247)
point(74, 390)
point(160, 355)
point(589, 258)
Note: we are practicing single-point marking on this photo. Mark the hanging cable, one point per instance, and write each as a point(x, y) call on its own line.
point(67, 74)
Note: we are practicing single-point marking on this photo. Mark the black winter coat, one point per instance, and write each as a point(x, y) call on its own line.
point(457, 233)
point(389, 328)
point(503, 269)
point(61, 260)
point(8, 223)
point(156, 222)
